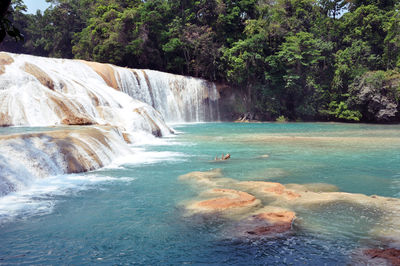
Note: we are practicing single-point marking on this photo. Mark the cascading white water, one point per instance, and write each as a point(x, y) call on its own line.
point(37, 91)
point(31, 89)
point(27, 157)
point(177, 98)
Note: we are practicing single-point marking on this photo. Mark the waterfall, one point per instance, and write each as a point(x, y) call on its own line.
point(47, 91)
point(177, 98)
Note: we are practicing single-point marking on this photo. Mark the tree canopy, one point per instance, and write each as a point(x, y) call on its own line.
point(301, 59)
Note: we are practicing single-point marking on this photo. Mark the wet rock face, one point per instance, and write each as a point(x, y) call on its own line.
point(155, 129)
point(39, 74)
point(378, 92)
point(390, 255)
point(5, 120)
point(76, 120)
point(106, 72)
point(5, 59)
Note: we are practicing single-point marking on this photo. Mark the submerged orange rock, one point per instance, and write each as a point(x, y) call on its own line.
point(234, 199)
point(390, 255)
point(282, 217)
point(280, 189)
point(226, 200)
point(270, 188)
point(272, 222)
point(268, 222)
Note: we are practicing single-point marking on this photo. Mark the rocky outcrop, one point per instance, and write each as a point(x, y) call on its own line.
point(376, 93)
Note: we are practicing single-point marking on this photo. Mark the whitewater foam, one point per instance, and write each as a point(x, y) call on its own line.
point(43, 194)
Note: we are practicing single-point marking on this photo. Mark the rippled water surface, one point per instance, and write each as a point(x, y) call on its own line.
point(131, 212)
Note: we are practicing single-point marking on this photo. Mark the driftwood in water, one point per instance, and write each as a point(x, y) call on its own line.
point(223, 157)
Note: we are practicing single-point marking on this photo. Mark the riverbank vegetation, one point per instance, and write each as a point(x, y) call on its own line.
point(297, 59)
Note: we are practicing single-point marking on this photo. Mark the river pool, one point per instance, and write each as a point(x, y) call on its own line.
point(132, 212)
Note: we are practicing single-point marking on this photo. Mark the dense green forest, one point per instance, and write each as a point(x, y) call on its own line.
point(298, 59)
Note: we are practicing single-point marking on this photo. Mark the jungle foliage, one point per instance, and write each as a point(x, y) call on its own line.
point(298, 59)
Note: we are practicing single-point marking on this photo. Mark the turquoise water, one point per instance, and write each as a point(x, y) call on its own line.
point(131, 213)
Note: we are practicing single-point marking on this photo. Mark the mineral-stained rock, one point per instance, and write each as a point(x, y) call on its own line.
point(279, 189)
point(155, 129)
point(76, 120)
point(39, 74)
point(106, 72)
point(5, 59)
point(226, 200)
point(5, 120)
point(269, 221)
point(126, 137)
point(272, 189)
point(390, 255)
point(272, 222)
point(233, 199)
point(282, 217)
point(243, 198)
